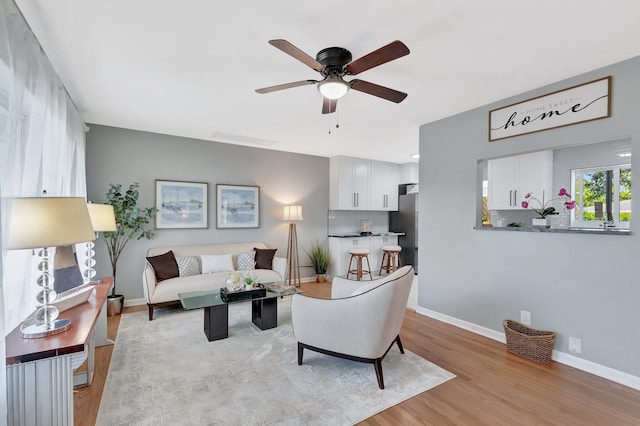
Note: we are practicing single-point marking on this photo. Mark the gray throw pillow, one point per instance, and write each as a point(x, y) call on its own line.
point(246, 261)
point(188, 265)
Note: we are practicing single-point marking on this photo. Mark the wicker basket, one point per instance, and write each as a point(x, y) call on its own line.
point(532, 344)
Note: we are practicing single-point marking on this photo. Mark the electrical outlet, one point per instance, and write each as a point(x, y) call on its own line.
point(575, 345)
point(525, 317)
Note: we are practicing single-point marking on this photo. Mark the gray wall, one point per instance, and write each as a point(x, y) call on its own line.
point(123, 156)
point(585, 286)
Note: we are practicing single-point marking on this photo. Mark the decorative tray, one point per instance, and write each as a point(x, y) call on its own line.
point(280, 288)
point(233, 296)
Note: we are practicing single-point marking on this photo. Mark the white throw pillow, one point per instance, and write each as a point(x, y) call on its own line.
point(216, 263)
point(188, 265)
point(246, 261)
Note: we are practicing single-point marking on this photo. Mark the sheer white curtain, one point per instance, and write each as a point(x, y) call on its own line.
point(42, 147)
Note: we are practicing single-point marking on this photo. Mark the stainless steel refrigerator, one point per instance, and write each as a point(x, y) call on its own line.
point(406, 220)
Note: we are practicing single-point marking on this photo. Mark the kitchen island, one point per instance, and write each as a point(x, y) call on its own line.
point(341, 243)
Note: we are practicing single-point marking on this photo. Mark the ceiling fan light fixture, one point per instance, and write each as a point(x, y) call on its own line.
point(333, 87)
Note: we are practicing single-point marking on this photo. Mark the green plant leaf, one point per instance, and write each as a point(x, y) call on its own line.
point(130, 221)
point(320, 257)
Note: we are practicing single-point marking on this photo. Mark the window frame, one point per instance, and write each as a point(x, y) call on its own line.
point(615, 205)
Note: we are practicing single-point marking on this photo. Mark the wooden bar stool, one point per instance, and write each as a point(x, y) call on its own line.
point(359, 255)
point(392, 256)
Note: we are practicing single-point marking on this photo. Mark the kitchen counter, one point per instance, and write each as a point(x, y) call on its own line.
point(593, 231)
point(357, 234)
point(341, 244)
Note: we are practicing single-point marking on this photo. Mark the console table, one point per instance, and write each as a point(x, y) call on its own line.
point(40, 375)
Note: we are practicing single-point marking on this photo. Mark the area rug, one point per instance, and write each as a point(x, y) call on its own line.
point(165, 372)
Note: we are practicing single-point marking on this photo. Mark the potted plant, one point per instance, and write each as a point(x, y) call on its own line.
point(545, 209)
point(130, 223)
point(320, 259)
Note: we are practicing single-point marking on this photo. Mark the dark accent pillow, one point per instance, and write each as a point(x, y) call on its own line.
point(164, 265)
point(264, 258)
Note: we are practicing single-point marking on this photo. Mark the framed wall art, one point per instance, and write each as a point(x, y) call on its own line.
point(237, 206)
point(181, 204)
point(577, 104)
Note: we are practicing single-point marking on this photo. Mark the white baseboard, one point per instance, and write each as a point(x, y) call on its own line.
point(597, 369)
point(608, 373)
point(134, 302)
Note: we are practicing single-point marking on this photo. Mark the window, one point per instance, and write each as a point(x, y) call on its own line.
point(603, 197)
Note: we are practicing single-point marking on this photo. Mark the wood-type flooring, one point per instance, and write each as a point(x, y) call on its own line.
point(492, 387)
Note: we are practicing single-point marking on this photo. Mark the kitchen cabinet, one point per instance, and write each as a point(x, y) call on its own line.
point(376, 249)
point(339, 249)
point(358, 184)
point(511, 178)
point(384, 186)
point(349, 183)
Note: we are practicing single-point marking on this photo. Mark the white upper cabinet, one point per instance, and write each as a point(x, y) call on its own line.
point(409, 173)
point(357, 184)
point(384, 186)
point(511, 178)
point(349, 183)
point(501, 174)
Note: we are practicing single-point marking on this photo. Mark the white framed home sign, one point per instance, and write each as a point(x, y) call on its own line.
point(577, 104)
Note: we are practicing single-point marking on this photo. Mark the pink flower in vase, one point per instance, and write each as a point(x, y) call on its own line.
point(545, 209)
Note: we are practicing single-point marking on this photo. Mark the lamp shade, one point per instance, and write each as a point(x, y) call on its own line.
point(48, 221)
point(292, 213)
point(102, 217)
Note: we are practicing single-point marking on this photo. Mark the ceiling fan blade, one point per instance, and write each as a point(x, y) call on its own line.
point(391, 51)
point(329, 105)
point(285, 86)
point(298, 54)
point(379, 91)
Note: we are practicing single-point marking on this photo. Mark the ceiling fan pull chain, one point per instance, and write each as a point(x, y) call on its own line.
point(337, 123)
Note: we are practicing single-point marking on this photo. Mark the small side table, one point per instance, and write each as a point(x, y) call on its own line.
point(39, 371)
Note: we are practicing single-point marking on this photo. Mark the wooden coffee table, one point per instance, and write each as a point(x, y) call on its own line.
point(264, 310)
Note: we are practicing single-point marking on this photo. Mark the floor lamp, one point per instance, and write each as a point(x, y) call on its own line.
point(293, 214)
point(42, 223)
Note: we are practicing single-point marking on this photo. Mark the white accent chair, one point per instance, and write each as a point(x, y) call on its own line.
point(359, 322)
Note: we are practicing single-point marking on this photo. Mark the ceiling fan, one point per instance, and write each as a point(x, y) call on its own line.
point(333, 63)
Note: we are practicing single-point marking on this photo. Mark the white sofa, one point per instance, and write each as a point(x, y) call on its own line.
point(165, 292)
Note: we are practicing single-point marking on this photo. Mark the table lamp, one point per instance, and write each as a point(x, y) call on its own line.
point(42, 223)
point(293, 214)
point(102, 220)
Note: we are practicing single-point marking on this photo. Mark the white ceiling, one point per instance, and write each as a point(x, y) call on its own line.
point(189, 67)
